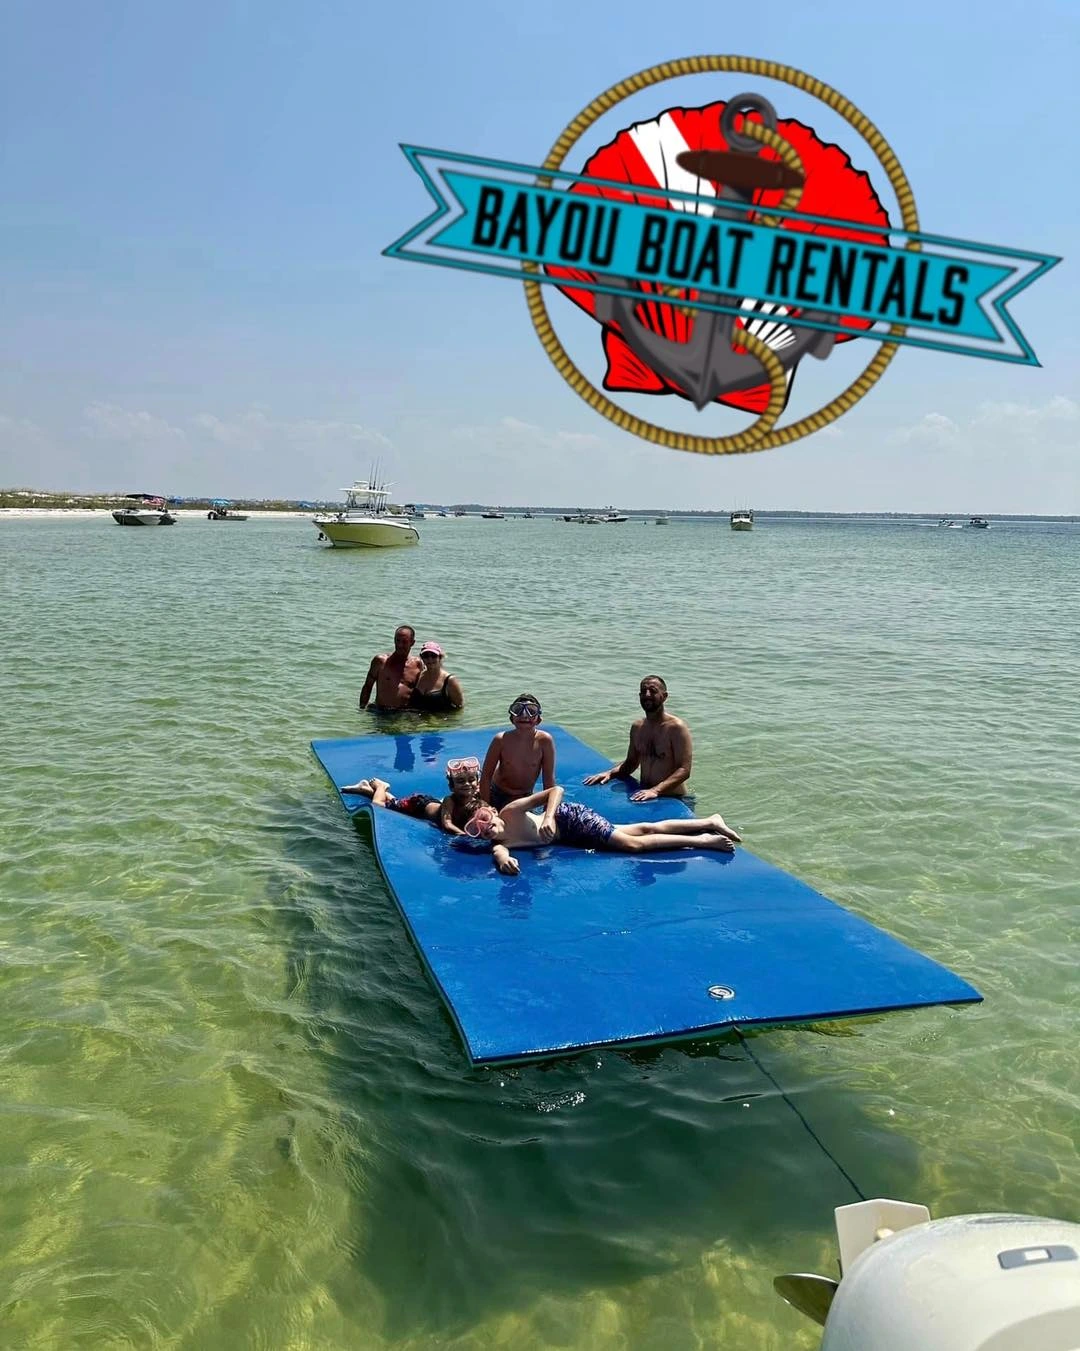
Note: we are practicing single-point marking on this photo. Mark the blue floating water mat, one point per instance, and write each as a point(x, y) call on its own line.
point(601, 949)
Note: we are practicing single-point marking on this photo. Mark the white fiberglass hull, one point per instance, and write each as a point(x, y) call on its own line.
point(143, 518)
point(367, 533)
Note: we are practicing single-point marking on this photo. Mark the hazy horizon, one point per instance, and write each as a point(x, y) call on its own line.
point(248, 499)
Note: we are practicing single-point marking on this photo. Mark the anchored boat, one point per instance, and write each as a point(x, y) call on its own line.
point(366, 521)
point(221, 510)
point(145, 509)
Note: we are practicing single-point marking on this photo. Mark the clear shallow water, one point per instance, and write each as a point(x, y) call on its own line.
point(232, 1110)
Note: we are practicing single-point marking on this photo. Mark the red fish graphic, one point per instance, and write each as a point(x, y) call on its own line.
point(646, 155)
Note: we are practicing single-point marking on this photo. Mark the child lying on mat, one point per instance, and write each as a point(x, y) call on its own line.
point(516, 827)
point(450, 814)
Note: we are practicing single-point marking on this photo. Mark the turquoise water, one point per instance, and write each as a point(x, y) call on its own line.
point(233, 1110)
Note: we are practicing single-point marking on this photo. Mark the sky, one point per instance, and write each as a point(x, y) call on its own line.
point(195, 198)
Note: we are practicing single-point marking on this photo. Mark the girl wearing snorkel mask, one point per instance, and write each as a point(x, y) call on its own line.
point(451, 813)
point(516, 759)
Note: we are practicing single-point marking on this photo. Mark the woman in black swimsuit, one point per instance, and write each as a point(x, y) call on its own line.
point(435, 691)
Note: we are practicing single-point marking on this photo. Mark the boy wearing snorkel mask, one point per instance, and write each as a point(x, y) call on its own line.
point(515, 760)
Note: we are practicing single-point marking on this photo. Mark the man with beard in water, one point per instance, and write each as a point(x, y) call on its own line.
point(660, 748)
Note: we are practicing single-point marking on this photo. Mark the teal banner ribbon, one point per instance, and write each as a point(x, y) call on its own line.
point(491, 219)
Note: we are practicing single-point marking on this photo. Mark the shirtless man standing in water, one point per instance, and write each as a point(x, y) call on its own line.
point(660, 744)
point(393, 674)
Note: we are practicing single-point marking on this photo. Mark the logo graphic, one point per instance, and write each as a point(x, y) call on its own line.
point(716, 247)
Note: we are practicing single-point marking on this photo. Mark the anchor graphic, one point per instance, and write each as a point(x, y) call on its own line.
point(707, 364)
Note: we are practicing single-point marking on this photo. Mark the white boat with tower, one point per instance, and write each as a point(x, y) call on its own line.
point(367, 520)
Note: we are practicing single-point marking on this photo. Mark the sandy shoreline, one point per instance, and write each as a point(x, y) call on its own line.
point(181, 513)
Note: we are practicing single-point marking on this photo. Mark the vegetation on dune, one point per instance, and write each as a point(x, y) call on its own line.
point(63, 501)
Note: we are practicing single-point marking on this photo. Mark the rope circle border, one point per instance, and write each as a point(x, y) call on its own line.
point(762, 434)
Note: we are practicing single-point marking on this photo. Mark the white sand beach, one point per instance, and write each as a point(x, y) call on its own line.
point(181, 513)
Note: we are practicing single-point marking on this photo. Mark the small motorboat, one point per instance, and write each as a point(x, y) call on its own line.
point(978, 523)
point(221, 510)
point(742, 520)
point(145, 509)
point(493, 515)
point(961, 1283)
point(366, 521)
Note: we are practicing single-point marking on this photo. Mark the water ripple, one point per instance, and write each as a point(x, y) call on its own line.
point(234, 1108)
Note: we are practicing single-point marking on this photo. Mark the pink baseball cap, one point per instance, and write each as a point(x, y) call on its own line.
point(429, 646)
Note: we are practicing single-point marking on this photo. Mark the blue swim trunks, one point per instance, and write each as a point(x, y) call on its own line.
point(580, 825)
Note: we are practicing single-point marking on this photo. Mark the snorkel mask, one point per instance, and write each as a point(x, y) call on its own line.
point(525, 710)
point(463, 773)
point(479, 824)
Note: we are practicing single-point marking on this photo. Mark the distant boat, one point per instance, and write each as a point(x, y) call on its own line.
point(661, 520)
point(366, 522)
point(944, 524)
point(221, 510)
point(978, 523)
point(742, 520)
point(577, 518)
point(612, 517)
point(413, 512)
point(145, 509)
point(493, 515)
